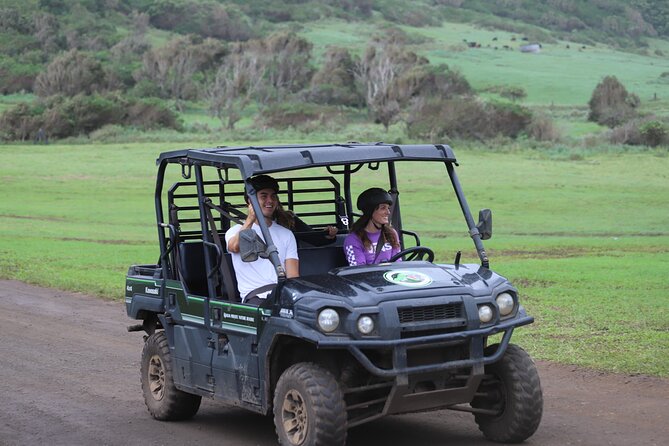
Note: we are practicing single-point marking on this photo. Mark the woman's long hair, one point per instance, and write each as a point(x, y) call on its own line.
point(283, 217)
point(389, 235)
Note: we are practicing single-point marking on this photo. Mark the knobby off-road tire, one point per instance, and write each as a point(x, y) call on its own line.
point(514, 391)
point(309, 407)
point(164, 401)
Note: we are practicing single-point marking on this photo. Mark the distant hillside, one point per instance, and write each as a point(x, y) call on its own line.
point(76, 66)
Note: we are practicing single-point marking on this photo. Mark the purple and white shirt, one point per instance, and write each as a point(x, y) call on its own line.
point(356, 254)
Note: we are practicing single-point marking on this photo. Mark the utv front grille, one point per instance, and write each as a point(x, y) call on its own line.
point(430, 313)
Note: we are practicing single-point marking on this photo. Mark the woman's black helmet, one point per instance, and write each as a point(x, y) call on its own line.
point(371, 198)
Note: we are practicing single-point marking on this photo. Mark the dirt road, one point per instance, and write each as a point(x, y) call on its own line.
point(69, 375)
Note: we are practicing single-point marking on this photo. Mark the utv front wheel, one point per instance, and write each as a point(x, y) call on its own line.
point(512, 391)
point(309, 407)
point(164, 401)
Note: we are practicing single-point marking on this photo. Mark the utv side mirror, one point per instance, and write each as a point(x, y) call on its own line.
point(251, 246)
point(485, 224)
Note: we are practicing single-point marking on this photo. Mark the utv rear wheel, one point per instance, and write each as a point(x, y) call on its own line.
point(512, 390)
point(309, 407)
point(164, 401)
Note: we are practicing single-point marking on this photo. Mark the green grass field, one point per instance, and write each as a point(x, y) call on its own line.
point(585, 241)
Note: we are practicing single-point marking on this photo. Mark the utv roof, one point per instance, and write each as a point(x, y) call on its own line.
point(253, 160)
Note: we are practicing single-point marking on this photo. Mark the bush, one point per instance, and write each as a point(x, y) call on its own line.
point(297, 115)
point(334, 83)
point(151, 114)
point(16, 77)
point(654, 133)
point(467, 118)
point(611, 104)
point(62, 117)
point(21, 122)
point(70, 73)
point(208, 19)
point(542, 128)
point(80, 114)
point(641, 132)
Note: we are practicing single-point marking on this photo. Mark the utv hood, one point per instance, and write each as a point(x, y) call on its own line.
point(373, 284)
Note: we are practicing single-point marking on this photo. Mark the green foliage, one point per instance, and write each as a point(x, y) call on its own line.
point(71, 73)
point(294, 114)
point(513, 93)
point(654, 133)
point(611, 104)
point(64, 116)
point(334, 82)
point(16, 77)
point(204, 18)
point(466, 117)
point(656, 12)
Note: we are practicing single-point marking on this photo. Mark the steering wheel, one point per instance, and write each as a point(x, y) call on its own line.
point(414, 253)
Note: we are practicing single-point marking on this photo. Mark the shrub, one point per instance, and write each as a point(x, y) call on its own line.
point(647, 132)
point(467, 118)
point(62, 116)
point(16, 77)
point(21, 122)
point(71, 73)
point(542, 128)
point(611, 104)
point(654, 133)
point(334, 83)
point(299, 115)
point(80, 114)
point(151, 114)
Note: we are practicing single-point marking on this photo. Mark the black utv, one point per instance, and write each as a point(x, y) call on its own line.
point(339, 345)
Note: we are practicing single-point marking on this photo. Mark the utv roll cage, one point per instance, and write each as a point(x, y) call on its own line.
point(339, 159)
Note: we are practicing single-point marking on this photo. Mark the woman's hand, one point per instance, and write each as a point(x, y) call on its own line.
point(330, 232)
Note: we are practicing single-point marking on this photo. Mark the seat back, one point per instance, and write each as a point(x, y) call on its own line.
point(194, 271)
point(320, 260)
point(192, 268)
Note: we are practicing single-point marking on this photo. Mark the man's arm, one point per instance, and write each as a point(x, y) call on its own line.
point(292, 268)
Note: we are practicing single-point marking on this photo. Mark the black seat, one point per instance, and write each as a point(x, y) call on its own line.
point(321, 260)
point(194, 272)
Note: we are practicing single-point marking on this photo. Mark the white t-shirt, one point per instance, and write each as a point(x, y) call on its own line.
point(252, 275)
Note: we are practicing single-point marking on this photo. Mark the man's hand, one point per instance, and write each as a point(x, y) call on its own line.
point(250, 218)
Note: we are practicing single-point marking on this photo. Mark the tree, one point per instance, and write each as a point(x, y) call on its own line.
point(611, 104)
point(287, 60)
point(171, 68)
point(514, 93)
point(334, 82)
point(46, 31)
point(237, 81)
point(376, 73)
point(70, 73)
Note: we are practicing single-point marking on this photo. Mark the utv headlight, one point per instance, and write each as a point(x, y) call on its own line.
point(485, 314)
point(328, 320)
point(365, 325)
point(505, 304)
